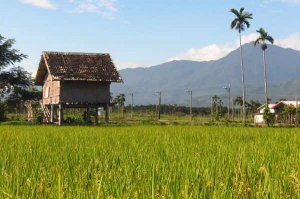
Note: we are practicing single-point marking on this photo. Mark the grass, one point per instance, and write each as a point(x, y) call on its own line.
point(149, 162)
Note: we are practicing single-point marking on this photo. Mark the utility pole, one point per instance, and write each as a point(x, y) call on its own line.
point(131, 94)
point(228, 88)
point(296, 122)
point(159, 103)
point(232, 109)
point(190, 92)
point(211, 107)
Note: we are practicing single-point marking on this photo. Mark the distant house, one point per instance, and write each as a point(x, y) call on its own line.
point(274, 109)
point(75, 80)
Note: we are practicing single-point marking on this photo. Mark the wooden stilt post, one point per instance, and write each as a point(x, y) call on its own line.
point(52, 113)
point(56, 112)
point(60, 114)
point(106, 108)
point(97, 115)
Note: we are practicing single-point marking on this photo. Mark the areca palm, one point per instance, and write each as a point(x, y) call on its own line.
point(262, 39)
point(240, 23)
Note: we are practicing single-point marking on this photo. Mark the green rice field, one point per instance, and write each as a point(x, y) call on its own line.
point(149, 162)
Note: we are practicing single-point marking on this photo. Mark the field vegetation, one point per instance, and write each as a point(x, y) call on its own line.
point(148, 161)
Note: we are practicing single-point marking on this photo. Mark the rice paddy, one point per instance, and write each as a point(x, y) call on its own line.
point(149, 162)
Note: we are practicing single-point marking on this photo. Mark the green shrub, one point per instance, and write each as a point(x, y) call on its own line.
point(38, 116)
point(268, 117)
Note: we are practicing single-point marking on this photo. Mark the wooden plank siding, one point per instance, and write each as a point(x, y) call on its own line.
point(51, 91)
point(84, 92)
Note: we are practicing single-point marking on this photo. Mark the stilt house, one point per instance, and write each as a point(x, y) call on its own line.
point(75, 80)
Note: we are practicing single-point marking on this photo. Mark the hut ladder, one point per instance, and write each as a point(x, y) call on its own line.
point(46, 112)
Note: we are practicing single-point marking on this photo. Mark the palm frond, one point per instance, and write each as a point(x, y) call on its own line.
point(260, 31)
point(257, 41)
point(233, 24)
point(248, 15)
point(241, 10)
point(270, 39)
point(235, 12)
point(247, 23)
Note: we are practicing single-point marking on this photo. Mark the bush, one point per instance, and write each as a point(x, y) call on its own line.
point(38, 116)
point(3, 111)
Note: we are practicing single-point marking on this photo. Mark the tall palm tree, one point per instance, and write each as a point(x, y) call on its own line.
point(240, 23)
point(262, 39)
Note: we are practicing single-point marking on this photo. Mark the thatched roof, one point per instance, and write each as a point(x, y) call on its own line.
point(77, 66)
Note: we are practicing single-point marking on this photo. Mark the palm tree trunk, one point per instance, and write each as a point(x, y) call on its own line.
point(265, 77)
point(243, 78)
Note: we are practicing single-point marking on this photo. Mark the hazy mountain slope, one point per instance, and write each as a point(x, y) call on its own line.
point(208, 78)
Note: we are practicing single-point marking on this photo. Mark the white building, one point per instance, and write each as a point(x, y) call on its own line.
point(274, 109)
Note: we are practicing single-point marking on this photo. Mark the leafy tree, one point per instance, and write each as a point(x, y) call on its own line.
point(253, 105)
point(9, 55)
point(286, 114)
point(217, 107)
point(238, 101)
point(120, 100)
point(268, 117)
point(262, 39)
point(240, 23)
point(15, 76)
point(19, 87)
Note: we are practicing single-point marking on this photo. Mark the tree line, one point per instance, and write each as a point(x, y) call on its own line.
point(16, 84)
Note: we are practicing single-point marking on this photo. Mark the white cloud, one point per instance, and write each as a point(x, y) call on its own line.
point(213, 51)
point(104, 8)
point(46, 4)
point(210, 52)
point(292, 41)
point(217, 51)
point(124, 64)
point(246, 39)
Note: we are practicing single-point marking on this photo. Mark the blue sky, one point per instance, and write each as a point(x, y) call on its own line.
point(142, 32)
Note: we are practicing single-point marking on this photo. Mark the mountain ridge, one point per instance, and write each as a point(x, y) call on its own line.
point(208, 77)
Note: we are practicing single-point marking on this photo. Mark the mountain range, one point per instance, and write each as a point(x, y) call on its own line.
point(208, 78)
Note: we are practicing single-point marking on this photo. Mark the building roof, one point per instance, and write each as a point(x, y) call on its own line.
point(77, 66)
point(271, 106)
point(278, 104)
point(290, 103)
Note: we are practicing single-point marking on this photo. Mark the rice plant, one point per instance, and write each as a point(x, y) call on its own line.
point(149, 162)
